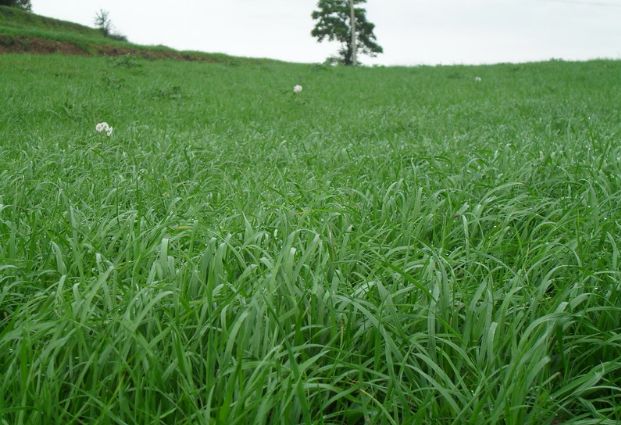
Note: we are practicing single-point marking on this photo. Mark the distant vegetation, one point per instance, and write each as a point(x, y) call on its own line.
point(345, 22)
point(22, 4)
point(104, 24)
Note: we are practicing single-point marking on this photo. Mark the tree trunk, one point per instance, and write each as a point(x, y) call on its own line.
point(354, 41)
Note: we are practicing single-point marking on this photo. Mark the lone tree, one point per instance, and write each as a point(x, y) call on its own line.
point(22, 4)
point(103, 22)
point(342, 21)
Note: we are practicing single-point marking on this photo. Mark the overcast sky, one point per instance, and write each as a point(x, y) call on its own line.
point(411, 31)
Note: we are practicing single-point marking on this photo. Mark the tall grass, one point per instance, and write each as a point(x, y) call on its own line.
point(391, 246)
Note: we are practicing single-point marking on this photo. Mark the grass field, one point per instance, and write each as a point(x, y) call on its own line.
point(390, 246)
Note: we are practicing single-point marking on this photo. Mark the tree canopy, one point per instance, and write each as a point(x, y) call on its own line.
point(334, 23)
point(22, 4)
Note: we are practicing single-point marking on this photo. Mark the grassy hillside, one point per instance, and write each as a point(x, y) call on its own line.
point(390, 246)
point(22, 31)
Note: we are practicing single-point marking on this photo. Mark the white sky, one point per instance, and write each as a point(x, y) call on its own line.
point(411, 31)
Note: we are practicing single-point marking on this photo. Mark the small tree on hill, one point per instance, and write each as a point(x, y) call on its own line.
point(103, 22)
point(342, 21)
point(22, 4)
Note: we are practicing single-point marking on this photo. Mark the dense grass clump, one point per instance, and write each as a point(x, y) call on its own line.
point(390, 246)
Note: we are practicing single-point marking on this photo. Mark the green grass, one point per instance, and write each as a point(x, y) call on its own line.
point(391, 246)
point(18, 18)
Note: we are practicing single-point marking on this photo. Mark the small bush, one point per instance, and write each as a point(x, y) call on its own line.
point(117, 36)
point(126, 61)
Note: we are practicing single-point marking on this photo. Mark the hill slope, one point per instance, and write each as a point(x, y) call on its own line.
point(22, 32)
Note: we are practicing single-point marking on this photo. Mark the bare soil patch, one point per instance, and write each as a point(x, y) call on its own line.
point(38, 45)
point(10, 44)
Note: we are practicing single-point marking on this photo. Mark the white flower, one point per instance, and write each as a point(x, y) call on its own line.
point(104, 127)
point(478, 79)
point(101, 127)
point(297, 89)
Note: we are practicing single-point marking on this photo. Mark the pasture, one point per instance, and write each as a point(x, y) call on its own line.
point(389, 246)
